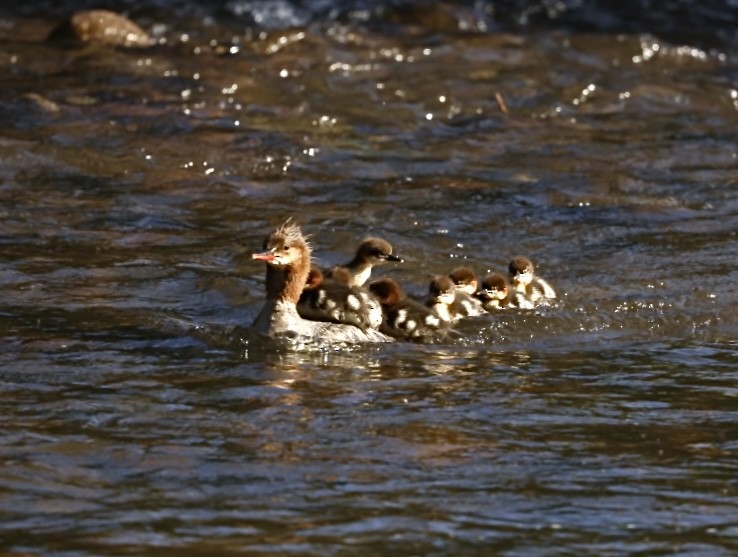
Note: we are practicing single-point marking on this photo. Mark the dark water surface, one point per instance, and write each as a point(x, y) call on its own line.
point(139, 415)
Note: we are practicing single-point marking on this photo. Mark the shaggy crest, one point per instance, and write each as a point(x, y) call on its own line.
point(290, 230)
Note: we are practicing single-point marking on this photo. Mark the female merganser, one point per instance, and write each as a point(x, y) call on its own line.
point(371, 252)
point(494, 293)
point(465, 281)
point(325, 299)
point(287, 255)
point(405, 318)
point(533, 288)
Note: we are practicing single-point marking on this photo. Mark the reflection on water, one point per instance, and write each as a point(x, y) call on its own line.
point(139, 413)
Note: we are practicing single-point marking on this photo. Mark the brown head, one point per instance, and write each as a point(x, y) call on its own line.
point(287, 255)
point(342, 275)
point(374, 251)
point(314, 278)
point(521, 270)
point(387, 291)
point(494, 286)
point(442, 289)
point(464, 279)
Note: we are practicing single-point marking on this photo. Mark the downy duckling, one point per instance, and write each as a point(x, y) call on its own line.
point(494, 292)
point(466, 303)
point(329, 299)
point(405, 318)
point(450, 303)
point(371, 252)
point(534, 289)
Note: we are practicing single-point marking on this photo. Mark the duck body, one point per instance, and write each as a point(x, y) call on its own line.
point(279, 318)
point(466, 305)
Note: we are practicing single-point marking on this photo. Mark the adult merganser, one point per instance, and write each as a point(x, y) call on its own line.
point(287, 255)
point(405, 318)
point(494, 293)
point(328, 299)
point(465, 281)
point(371, 252)
point(533, 288)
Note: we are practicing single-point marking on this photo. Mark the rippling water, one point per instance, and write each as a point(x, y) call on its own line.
point(140, 416)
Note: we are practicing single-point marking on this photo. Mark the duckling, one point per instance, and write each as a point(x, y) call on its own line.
point(494, 293)
point(371, 252)
point(465, 280)
point(329, 299)
point(466, 303)
point(533, 288)
point(405, 318)
point(450, 303)
point(441, 296)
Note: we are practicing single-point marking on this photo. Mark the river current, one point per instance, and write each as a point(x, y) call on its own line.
point(139, 415)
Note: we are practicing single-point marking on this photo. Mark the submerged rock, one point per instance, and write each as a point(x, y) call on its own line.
point(101, 27)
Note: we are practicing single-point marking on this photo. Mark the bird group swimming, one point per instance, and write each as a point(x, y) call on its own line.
point(341, 305)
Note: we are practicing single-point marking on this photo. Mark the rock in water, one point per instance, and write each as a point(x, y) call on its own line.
point(101, 27)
